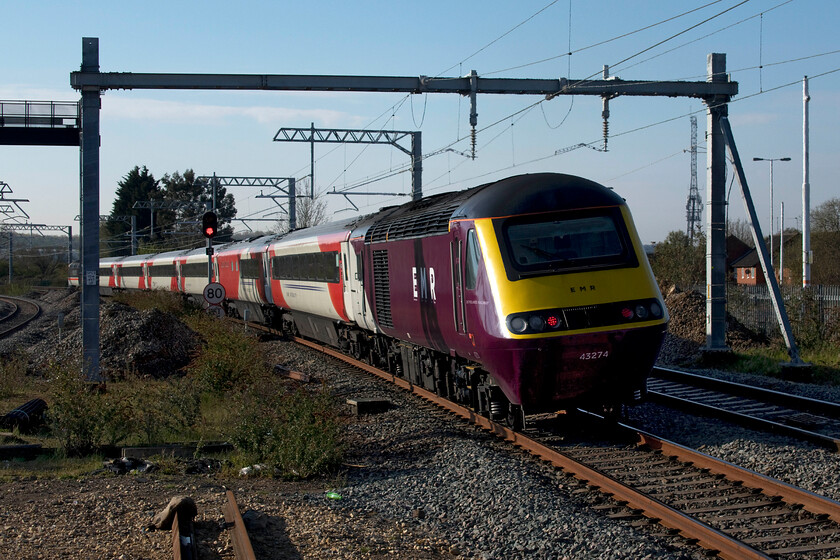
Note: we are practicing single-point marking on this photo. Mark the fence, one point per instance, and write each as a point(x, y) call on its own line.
point(752, 306)
point(36, 114)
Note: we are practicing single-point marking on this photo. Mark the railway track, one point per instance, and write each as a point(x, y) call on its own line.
point(732, 512)
point(183, 539)
point(806, 419)
point(16, 313)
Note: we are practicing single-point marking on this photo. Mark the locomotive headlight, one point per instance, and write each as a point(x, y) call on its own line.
point(518, 325)
point(641, 311)
point(656, 310)
point(536, 323)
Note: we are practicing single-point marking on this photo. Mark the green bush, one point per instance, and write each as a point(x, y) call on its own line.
point(298, 434)
point(163, 409)
point(230, 358)
point(83, 417)
point(12, 374)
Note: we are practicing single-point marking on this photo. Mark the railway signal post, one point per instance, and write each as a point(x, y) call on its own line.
point(209, 227)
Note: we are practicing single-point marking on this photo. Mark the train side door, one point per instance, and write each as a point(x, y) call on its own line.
point(353, 258)
point(266, 277)
point(456, 255)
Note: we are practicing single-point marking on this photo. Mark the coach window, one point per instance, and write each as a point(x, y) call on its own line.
point(473, 257)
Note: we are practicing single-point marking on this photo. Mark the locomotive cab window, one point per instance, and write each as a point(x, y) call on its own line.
point(472, 261)
point(570, 241)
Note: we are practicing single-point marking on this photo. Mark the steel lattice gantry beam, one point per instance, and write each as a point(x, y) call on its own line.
point(348, 136)
point(715, 92)
point(276, 183)
point(40, 228)
point(8, 205)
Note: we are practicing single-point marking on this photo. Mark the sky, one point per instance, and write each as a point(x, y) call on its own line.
point(770, 46)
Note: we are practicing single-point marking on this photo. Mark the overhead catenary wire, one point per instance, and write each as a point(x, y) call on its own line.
point(404, 169)
point(600, 43)
point(364, 182)
point(623, 133)
point(502, 36)
point(744, 20)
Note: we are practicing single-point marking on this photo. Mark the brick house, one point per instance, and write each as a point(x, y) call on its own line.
point(748, 270)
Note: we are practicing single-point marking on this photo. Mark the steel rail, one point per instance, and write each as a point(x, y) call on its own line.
point(183, 546)
point(707, 537)
point(776, 398)
point(16, 301)
point(769, 486)
point(14, 311)
point(704, 535)
point(749, 421)
point(807, 404)
point(239, 536)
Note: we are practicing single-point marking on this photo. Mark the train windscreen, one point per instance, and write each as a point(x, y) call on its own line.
point(569, 241)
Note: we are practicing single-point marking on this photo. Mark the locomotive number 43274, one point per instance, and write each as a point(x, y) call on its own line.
point(595, 355)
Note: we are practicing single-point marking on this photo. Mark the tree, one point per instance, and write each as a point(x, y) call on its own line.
point(197, 196)
point(826, 216)
point(680, 261)
point(138, 184)
point(309, 211)
point(741, 229)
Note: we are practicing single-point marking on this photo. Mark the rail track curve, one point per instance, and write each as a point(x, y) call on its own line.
point(16, 313)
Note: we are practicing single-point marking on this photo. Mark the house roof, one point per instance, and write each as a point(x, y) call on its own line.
point(747, 260)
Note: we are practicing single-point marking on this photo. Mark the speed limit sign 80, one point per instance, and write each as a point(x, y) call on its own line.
point(214, 293)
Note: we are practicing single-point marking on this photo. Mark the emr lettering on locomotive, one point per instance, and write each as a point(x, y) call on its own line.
point(427, 288)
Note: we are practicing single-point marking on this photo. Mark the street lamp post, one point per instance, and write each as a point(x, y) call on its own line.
point(771, 160)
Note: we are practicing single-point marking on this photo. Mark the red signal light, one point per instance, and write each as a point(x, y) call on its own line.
point(627, 313)
point(209, 224)
point(552, 321)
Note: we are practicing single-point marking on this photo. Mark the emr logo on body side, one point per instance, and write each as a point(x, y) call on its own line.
point(427, 284)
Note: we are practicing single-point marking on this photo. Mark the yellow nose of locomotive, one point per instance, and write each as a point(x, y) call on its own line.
point(578, 311)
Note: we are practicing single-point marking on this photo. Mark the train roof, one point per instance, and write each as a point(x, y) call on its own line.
point(518, 195)
point(258, 241)
point(535, 193)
